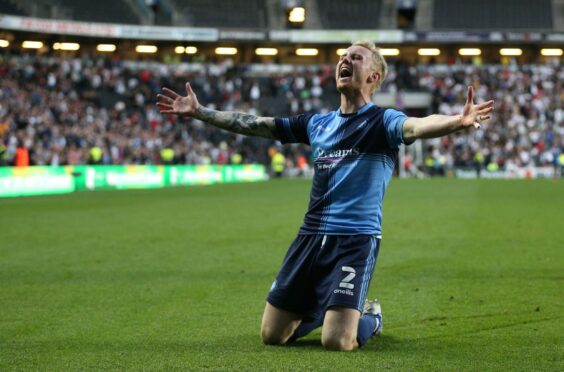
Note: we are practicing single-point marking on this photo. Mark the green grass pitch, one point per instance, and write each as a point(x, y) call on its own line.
point(470, 276)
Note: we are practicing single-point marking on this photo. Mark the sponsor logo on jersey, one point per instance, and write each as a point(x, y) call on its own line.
point(336, 154)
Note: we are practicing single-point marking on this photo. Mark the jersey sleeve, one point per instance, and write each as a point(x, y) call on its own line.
point(293, 129)
point(393, 122)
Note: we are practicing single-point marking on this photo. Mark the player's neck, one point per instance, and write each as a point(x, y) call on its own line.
point(352, 104)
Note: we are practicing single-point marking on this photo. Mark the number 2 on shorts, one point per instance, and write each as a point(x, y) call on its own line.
point(346, 282)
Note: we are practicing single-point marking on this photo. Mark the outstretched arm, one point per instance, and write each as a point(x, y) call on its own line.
point(440, 125)
point(171, 102)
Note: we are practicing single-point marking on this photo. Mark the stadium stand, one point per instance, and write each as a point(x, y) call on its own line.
point(9, 7)
point(110, 11)
point(528, 126)
point(220, 13)
point(321, 14)
point(493, 15)
point(351, 14)
point(59, 109)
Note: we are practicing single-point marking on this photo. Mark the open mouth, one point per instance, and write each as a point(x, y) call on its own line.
point(345, 72)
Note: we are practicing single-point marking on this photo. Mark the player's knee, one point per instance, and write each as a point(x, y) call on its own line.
point(270, 337)
point(338, 342)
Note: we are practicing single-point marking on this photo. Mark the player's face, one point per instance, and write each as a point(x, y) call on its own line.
point(355, 71)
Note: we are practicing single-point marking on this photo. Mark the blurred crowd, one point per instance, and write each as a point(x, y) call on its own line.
point(526, 129)
point(56, 111)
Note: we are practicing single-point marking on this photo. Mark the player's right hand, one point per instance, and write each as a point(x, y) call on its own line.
point(170, 102)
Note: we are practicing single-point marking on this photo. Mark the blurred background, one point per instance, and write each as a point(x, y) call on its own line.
point(79, 80)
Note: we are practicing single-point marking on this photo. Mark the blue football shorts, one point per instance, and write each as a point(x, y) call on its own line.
point(322, 271)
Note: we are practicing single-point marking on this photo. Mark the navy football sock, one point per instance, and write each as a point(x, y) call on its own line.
point(305, 328)
point(366, 326)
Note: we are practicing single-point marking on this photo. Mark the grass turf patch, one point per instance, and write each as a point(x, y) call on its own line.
point(469, 276)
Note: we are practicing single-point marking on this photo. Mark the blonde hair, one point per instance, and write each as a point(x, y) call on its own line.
point(378, 62)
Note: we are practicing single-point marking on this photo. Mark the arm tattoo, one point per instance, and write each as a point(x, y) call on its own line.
point(238, 122)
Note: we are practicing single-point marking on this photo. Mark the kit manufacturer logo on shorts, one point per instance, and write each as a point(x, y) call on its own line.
point(346, 282)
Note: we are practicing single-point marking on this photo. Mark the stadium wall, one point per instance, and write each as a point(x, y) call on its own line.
point(43, 180)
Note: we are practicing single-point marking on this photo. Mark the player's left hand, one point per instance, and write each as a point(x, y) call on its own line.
point(473, 114)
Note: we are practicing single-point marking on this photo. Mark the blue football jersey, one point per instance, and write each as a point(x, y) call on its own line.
point(354, 157)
